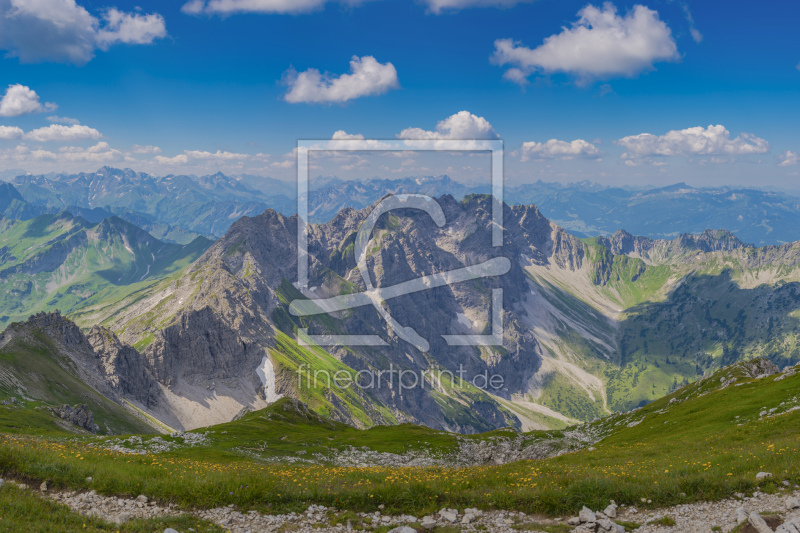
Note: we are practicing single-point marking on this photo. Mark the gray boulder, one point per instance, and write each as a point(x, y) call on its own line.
point(758, 523)
point(587, 515)
point(741, 515)
point(792, 526)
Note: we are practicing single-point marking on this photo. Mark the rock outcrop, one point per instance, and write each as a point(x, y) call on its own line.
point(123, 368)
point(77, 415)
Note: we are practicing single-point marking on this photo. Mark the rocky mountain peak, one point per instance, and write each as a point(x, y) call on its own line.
point(710, 241)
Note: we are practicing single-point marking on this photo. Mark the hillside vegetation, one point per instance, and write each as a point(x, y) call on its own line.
point(705, 441)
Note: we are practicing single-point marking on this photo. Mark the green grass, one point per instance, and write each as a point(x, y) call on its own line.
point(696, 446)
point(666, 521)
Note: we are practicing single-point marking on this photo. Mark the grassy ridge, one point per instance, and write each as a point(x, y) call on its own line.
point(32, 368)
point(64, 262)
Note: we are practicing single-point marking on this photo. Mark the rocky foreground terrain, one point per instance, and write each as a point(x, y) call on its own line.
point(758, 512)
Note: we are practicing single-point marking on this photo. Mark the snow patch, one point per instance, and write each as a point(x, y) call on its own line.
point(267, 374)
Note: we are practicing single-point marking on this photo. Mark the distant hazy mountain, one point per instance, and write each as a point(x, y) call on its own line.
point(177, 208)
point(207, 205)
point(7, 175)
point(755, 216)
point(589, 210)
point(329, 196)
point(14, 206)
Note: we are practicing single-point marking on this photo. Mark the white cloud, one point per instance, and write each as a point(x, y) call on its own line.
point(289, 163)
point(695, 33)
point(202, 156)
point(789, 158)
point(63, 120)
point(59, 132)
point(343, 135)
point(147, 149)
point(130, 28)
point(367, 77)
point(10, 132)
point(714, 140)
point(21, 100)
point(63, 31)
point(180, 159)
point(99, 153)
point(462, 125)
point(600, 44)
point(218, 155)
point(561, 149)
point(67, 158)
point(230, 7)
point(438, 6)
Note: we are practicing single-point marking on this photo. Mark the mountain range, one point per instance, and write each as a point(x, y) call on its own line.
point(179, 208)
point(196, 334)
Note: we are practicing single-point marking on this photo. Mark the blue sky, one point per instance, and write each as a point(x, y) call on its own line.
point(170, 87)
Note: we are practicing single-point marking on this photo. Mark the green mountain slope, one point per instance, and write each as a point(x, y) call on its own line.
point(47, 362)
point(62, 261)
point(654, 315)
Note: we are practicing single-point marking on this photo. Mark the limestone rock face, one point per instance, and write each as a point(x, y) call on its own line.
point(123, 368)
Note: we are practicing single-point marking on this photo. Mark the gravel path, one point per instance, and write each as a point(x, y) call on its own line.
point(703, 517)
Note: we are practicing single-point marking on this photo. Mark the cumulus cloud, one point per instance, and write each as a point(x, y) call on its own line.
point(600, 44)
point(21, 100)
point(59, 132)
point(714, 140)
point(288, 163)
point(561, 149)
point(438, 6)
point(147, 149)
point(229, 7)
point(10, 132)
point(67, 157)
point(789, 158)
point(99, 153)
point(462, 125)
point(130, 28)
point(63, 120)
point(203, 156)
point(343, 135)
point(63, 31)
point(367, 77)
point(180, 159)
point(280, 7)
